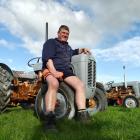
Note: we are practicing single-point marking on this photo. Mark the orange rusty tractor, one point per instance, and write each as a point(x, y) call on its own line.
point(17, 88)
point(125, 94)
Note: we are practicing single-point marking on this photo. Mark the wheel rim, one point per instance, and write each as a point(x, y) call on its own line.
point(61, 106)
point(93, 110)
point(130, 103)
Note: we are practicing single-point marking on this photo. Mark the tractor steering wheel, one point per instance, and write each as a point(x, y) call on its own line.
point(109, 84)
point(34, 61)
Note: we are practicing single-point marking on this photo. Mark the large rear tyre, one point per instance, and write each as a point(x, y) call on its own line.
point(130, 102)
point(100, 102)
point(6, 77)
point(101, 90)
point(64, 105)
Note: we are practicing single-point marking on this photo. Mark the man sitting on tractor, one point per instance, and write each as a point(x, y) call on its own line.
point(56, 58)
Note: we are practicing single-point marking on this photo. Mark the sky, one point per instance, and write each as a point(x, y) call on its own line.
point(109, 28)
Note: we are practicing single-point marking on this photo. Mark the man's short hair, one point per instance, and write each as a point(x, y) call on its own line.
point(63, 27)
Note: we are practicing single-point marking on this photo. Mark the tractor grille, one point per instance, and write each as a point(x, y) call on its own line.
point(91, 73)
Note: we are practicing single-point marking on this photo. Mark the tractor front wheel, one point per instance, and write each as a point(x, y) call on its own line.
point(64, 104)
point(99, 102)
point(130, 102)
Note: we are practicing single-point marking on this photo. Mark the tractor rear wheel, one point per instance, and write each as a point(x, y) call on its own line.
point(130, 102)
point(64, 105)
point(6, 77)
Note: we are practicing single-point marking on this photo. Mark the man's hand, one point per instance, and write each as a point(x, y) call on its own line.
point(45, 73)
point(84, 50)
point(57, 74)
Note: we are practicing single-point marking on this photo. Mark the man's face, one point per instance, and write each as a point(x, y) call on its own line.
point(63, 35)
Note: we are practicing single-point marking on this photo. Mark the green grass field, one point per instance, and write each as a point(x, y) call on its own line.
point(116, 123)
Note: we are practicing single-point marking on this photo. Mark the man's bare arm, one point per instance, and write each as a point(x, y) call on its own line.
point(53, 71)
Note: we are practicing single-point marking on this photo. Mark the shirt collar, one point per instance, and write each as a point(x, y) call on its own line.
point(62, 42)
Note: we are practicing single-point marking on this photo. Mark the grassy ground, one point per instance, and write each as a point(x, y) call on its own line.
point(116, 123)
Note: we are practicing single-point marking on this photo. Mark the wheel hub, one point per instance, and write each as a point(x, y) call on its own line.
point(130, 103)
point(61, 106)
point(91, 103)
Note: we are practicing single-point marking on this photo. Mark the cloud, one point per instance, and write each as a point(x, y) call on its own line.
point(7, 44)
point(126, 51)
point(89, 21)
point(26, 19)
point(3, 42)
point(34, 47)
point(110, 15)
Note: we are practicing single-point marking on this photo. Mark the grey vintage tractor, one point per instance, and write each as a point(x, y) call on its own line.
point(123, 93)
point(20, 88)
point(84, 66)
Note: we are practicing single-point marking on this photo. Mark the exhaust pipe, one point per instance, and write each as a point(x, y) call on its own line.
point(46, 36)
point(125, 83)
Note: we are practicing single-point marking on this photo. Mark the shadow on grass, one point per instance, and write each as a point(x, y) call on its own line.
point(71, 130)
point(38, 133)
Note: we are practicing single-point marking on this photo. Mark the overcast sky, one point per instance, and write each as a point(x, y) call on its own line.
point(110, 28)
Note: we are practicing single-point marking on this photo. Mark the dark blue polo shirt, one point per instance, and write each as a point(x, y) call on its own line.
point(59, 52)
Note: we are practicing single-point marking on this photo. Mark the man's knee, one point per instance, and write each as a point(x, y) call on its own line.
point(53, 83)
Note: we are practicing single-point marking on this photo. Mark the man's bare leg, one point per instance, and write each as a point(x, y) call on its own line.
point(50, 97)
point(50, 101)
point(79, 88)
point(78, 85)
